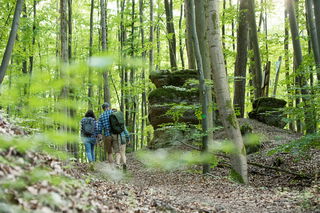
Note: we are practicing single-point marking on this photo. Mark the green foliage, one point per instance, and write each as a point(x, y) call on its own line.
point(299, 146)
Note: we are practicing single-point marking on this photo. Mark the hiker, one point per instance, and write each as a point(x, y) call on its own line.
point(88, 134)
point(123, 138)
point(104, 131)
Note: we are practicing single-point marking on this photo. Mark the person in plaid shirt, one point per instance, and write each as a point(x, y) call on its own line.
point(104, 131)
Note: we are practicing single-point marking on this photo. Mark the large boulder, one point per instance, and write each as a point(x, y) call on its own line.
point(173, 95)
point(269, 111)
point(158, 115)
point(178, 78)
point(175, 100)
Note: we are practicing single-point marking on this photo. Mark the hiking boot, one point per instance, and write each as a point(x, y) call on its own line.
point(124, 167)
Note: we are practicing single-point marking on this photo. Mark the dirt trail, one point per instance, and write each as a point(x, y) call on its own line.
point(188, 191)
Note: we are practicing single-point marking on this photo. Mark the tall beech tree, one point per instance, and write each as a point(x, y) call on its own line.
point(171, 33)
point(313, 35)
point(189, 46)
point(103, 22)
point(11, 40)
point(316, 4)
point(257, 75)
point(226, 111)
point(240, 68)
point(90, 86)
point(201, 29)
point(202, 84)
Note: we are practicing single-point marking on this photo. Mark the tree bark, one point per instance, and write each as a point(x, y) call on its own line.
point(202, 85)
point(313, 34)
point(190, 50)
point(316, 4)
point(64, 31)
point(201, 28)
point(11, 40)
point(70, 29)
point(278, 66)
point(144, 54)
point(106, 87)
point(151, 39)
point(287, 66)
point(34, 27)
point(241, 60)
point(171, 34)
point(228, 118)
point(90, 89)
point(180, 37)
point(24, 44)
point(255, 45)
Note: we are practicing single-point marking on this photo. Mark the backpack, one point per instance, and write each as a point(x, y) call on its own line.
point(116, 122)
point(88, 125)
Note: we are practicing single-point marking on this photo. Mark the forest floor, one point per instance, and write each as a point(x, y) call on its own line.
point(32, 181)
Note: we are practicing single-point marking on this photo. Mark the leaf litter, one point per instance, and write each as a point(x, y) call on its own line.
point(37, 182)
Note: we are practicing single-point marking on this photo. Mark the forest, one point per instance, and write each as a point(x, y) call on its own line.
point(217, 104)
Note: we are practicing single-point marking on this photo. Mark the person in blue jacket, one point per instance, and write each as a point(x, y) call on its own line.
point(89, 131)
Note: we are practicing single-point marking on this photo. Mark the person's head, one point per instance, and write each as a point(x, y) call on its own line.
point(105, 106)
point(114, 109)
point(90, 114)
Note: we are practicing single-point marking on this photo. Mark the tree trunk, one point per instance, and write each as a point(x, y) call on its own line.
point(232, 30)
point(202, 85)
point(298, 60)
point(316, 4)
point(70, 29)
point(106, 87)
point(151, 39)
point(158, 36)
point(33, 36)
point(64, 31)
point(278, 66)
point(201, 27)
point(190, 50)
point(313, 35)
point(122, 38)
point(223, 29)
point(255, 45)
point(24, 44)
point(241, 60)
point(287, 66)
point(90, 91)
point(171, 34)
point(143, 95)
point(228, 118)
point(180, 37)
point(11, 40)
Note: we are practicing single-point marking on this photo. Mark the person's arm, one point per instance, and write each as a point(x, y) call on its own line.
point(127, 135)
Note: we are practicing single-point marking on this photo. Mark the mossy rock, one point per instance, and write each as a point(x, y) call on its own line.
point(269, 102)
point(164, 138)
point(271, 118)
point(157, 116)
point(267, 109)
point(173, 95)
point(176, 78)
